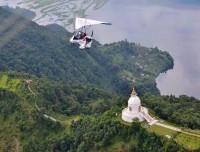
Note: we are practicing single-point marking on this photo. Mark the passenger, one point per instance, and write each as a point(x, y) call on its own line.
point(77, 35)
point(83, 35)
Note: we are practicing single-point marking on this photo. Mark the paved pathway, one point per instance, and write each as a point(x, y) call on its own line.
point(176, 129)
point(169, 127)
point(192, 134)
point(17, 149)
point(46, 116)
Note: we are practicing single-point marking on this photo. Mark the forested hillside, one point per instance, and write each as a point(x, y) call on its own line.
point(56, 97)
point(183, 111)
point(45, 51)
point(20, 118)
point(83, 128)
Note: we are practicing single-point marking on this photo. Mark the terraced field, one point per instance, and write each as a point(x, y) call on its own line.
point(61, 12)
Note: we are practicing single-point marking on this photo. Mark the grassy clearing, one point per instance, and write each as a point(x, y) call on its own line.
point(192, 131)
point(68, 120)
point(65, 119)
point(187, 141)
point(161, 131)
point(7, 83)
point(3, 81)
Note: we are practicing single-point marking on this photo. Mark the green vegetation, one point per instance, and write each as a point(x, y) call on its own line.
point(192, 131)
point(11, 85)
point(22, 120)
point(71, 99)
point(82, 90)
point(3, 82)
point(187, 141)
point(90, 130)
point(161, 130)
point(44, 51)
point(183, 111)
point(93, 132)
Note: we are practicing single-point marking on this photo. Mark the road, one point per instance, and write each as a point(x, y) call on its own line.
point(176, 129)
point(45, 115)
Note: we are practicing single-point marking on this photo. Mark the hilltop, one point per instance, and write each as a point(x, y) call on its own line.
point(43, 115)
point(75, 96)
point(69, 118)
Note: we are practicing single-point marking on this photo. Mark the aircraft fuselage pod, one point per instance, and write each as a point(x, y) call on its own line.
point(80, 37)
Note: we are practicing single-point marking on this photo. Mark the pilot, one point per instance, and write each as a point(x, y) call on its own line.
point(77, 35)
point(83, 35)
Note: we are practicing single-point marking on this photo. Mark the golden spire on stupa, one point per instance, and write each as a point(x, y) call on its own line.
point(133, 92)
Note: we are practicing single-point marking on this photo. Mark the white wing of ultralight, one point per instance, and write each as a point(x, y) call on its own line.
point(80, 22)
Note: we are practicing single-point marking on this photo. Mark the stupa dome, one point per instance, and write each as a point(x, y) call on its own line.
point(134, 100)
point(135, 110)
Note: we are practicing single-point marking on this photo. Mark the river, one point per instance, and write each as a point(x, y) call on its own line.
point(172, 26)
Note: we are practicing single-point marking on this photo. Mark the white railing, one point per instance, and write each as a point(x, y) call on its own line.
point(147, 117)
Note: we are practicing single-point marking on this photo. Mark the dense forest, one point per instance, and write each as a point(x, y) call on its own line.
point(95, 128)
point(74, 99)
point(182, 110)
point(45, 51)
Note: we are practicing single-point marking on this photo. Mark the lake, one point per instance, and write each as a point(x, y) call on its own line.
point(172, 26)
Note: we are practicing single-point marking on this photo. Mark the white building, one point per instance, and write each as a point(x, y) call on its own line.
point(135, 110)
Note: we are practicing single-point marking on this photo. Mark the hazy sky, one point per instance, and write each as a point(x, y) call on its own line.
point(172, 25)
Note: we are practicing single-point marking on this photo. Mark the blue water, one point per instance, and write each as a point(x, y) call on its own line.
point(172, 25)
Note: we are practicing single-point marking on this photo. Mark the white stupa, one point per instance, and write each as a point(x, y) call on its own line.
point(135, 110)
